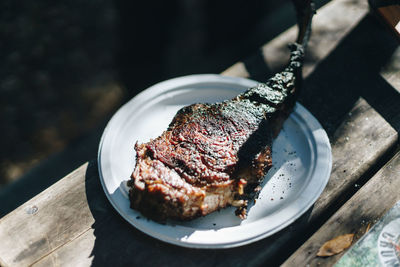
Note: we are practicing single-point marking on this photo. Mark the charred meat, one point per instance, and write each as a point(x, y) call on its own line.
point(215, 155)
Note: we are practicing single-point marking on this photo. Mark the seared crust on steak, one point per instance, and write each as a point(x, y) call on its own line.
point(213, 155)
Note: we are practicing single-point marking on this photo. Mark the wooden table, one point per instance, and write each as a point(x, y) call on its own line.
point(352, 86)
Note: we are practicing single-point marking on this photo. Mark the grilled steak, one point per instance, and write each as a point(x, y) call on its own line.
point(214, 155)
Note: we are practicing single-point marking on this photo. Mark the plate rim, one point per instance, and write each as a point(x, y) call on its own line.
point(211, 78)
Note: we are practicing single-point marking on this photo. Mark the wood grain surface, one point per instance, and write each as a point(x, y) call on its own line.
point(110, 238)
point(369, 204)
point(73, 224)
point(46, 222)
point(330, 25)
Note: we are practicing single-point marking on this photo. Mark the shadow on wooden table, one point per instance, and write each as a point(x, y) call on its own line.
point(116, 242)
point(351, 72)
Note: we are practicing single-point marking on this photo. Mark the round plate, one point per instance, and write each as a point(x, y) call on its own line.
point(301, 164)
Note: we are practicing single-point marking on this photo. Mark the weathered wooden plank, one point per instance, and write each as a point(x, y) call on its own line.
point(67, 256)
point(237, 70)
point(369, 204)
point(391, 71)
point(355, 149)
point(129, 239)
point(331, 24)
point(102, 237)
point(54, 217)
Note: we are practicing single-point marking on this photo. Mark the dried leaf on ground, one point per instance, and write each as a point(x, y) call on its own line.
point(368, 227)
point(336, 245)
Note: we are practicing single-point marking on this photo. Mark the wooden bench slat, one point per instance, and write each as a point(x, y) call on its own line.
point(90, 229)
point(368, 205)
point(131, 241)
point(391, 71)
point(107, 222)
point(330, 25)
point(62, 214)
point(356, 145)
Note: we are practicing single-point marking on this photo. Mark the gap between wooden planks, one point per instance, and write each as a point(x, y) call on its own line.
point(369, 204)
point(254, 254)
point(61, 228)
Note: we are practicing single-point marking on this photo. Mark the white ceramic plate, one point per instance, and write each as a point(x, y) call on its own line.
point(301, 157)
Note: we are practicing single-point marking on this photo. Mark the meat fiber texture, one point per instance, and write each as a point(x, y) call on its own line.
point(214, 155)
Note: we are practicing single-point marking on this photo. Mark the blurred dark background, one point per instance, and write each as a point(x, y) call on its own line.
point(66, 67)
